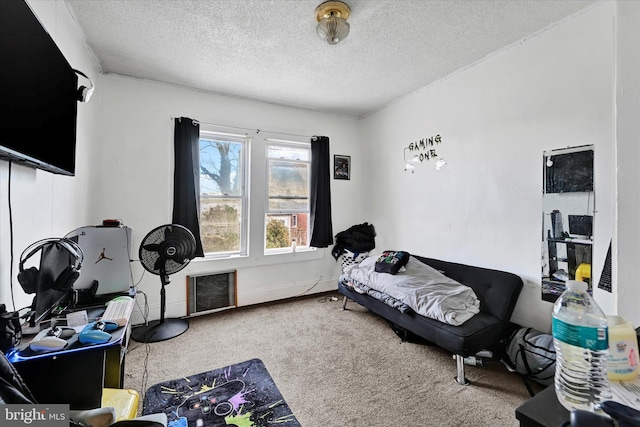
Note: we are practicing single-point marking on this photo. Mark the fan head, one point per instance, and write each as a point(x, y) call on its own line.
point(167, 249)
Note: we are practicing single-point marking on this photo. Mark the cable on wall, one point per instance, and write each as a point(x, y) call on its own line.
point(312, 286)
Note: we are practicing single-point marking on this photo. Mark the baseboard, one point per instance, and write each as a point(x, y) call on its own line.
point(285, 292)
point(244, 299)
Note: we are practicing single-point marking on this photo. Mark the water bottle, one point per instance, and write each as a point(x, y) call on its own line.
point(581, 341)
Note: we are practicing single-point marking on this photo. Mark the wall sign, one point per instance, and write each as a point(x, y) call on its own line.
point(423, 150)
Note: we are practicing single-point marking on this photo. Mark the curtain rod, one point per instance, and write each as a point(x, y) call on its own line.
point(313, 137)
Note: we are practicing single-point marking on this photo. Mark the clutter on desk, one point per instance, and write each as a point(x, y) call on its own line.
point(77, 318)
point(55, 272)
point(579, 330)
point(53, 280)
point(97, 332)
point(627, 392)
point(597, 355)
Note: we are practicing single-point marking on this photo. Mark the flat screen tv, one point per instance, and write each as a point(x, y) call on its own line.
point(581, 226)
point(38, 94)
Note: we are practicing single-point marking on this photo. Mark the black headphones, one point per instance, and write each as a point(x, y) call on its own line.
point(28, 278)
point(84, 93)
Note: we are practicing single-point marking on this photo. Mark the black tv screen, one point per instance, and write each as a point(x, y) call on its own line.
point(581, 225)
point(38, 94)
point(569, 172)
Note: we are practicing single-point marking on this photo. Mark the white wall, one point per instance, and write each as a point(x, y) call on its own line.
point(42, 204)
point(627, 231)
point(135, 175)
point(496, 118)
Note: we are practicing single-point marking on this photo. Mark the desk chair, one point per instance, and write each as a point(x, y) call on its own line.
point(13, 390)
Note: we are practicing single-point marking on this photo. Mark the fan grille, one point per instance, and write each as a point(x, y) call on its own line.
point(167, 249)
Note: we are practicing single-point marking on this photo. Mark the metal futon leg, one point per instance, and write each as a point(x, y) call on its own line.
point(344, 303)
point(460, 378)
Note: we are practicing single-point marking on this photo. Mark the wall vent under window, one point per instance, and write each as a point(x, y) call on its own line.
point(211, 292)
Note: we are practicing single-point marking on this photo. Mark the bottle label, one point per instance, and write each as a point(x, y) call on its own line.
point(622, 357)
point(587, 337)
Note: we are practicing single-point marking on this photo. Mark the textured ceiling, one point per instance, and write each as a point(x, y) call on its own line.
point(268, 50)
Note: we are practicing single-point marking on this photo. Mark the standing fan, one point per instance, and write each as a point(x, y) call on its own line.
point(165, 250)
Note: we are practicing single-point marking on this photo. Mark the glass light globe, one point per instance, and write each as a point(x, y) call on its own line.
point(333, 29)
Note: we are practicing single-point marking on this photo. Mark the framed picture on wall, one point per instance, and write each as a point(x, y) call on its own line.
point(341, 167)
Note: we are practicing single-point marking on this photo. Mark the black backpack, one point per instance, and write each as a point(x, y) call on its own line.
point(532, 354)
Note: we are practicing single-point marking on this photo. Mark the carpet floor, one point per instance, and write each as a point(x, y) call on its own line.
point(334, 367)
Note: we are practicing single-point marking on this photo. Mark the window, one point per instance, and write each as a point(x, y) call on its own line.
point(223, 193)
point(287, 205)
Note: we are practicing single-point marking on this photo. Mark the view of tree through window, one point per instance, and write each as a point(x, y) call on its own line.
point(222, 194)
point(288, 195)
point(277, 234)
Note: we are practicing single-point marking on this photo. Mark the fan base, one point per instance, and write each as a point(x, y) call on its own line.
point(157, 331)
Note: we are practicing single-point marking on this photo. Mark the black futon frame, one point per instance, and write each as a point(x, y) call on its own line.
point(497, 291)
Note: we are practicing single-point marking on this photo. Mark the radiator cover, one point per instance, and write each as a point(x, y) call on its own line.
point(209, 293)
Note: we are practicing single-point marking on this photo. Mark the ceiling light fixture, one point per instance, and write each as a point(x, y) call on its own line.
point(332, 21)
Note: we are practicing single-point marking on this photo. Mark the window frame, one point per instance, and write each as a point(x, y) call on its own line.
point(244, 167)
point(270, 142)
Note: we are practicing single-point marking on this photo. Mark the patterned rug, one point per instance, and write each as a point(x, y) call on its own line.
point(242, 395)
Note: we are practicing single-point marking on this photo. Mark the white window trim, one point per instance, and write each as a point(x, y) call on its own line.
point(267, 211)
point(254, 220)
point(245, 140)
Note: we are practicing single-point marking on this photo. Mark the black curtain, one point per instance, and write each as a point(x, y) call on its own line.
point(320, 197)
point(186, 177)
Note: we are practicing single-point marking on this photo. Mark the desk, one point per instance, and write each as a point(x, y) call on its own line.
point(542, 410)
point(77, 374)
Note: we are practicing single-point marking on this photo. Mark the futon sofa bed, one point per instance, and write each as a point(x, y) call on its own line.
point(497, 293)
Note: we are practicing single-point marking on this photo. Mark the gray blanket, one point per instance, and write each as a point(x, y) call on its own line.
point(361, 288)
point(423, 288)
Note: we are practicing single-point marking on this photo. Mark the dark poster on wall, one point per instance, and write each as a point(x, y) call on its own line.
point(605, 277)
point(341, 167)
point(569, 173)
